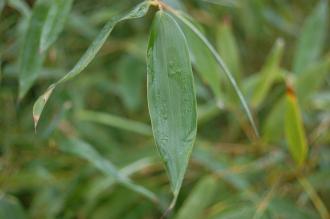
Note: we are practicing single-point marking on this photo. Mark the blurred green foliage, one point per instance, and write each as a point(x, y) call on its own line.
point(93, 154)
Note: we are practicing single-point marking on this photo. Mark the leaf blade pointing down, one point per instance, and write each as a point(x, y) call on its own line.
point(137, 12)
point(171, 96)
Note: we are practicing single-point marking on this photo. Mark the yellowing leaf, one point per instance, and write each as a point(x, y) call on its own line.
point(294, 129)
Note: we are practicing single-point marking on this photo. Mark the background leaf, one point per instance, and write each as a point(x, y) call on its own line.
point(31, 58)
point(312, 38)
point(55, 21)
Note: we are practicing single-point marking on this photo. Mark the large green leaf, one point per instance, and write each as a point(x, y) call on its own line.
point(84, 150)
point(199, 199)
point(31, 58)
point(171, 96)
point(139, 11)
point(55, 21)
point(312, 38)
point(294, 129)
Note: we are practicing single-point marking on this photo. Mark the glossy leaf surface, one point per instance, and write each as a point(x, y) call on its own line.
point(171, 96)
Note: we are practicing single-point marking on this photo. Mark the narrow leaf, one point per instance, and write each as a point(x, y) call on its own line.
point(115, 121)
point(58, 12)
point(20, 6)
point(294, 129)
point(139, 11)
point(228, 48)
point(30, 58)
point(199, 199)
point(84, 150)
point(171, 96)
point(268, 73)
point(309, 81)
point(203, 61)
point(312, 38)
point(222, 65)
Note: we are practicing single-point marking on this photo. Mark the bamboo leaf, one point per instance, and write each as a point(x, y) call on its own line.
point(228, 48)
point(203, 61)
point(223, 66)
point(171, 96)
point(294, 129)
point(268, 73)
point(312, 38)
point(199, 199)
point(31, 58)
point(115, 121)
point(84, 150)
point(311, 79)
point(55, 21)
point(139, 11)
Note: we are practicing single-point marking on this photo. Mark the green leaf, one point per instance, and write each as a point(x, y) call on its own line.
point(311, 79)
point(10, 208)
point(199, 199)
point(171, 96)
point(272, 129)
point(224, 68)
point(203, 61)
point(54, 24)
point(268, 73)
point(115, 121)
point(312, 38)
point(31, 58)
point(294, 129)
point(139, 11)
point(228, 48)
point(20, 6)
point(84, 150)
point(2, 5)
